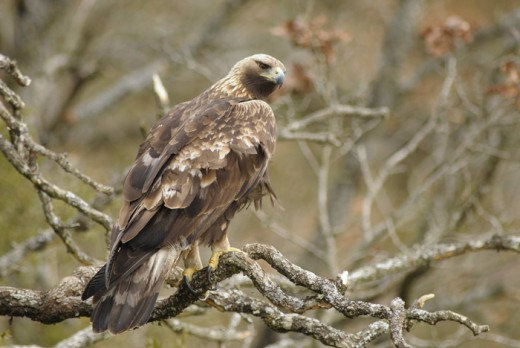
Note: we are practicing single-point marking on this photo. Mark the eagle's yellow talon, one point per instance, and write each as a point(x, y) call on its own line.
point(215, 256)
point(187, 274)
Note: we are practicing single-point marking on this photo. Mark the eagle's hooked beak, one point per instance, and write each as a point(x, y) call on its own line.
point(276, 75)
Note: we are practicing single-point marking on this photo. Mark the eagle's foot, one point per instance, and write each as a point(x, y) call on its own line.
point(192, 264)
point(214, 259)
point(187, 276)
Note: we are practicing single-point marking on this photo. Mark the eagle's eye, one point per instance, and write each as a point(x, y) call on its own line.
point(263, 66)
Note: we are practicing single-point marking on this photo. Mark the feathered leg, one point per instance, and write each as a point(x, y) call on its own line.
point(192, 264)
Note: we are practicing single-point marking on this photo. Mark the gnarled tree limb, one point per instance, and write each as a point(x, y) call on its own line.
point(283, 312)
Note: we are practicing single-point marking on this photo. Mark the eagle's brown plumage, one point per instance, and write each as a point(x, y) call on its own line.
point(200, 164)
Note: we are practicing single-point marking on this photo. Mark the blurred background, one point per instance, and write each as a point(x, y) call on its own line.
point(398, 129)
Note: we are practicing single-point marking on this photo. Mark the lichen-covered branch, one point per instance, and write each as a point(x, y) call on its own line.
point(82, 338)
point(426, 255)
point(54, 221)
point(209, 333)
point(49, 188)
point(10, 66)
point(279, 310)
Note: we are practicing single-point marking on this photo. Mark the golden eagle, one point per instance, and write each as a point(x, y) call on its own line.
point(200, 164)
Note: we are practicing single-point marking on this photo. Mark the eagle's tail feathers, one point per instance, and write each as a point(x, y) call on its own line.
point(129, 303)
point(96, 284)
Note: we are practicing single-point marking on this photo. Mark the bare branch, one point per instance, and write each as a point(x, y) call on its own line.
point(292, 238)
point(11, 67)
point(65, 301)
point(83, 338)
point(161, 95)
point(54, 221)
point(335, 110)
point(10, 261)
point(397, 322)
point(435, 317)
point(236, 301)
point(47, 307)
point(322, 138)
point(61, 160)
point(428, 254)
point(11, 97)
point(52, 190)
point(218, 334)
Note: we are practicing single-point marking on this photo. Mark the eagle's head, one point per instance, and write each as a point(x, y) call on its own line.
point(259, 74)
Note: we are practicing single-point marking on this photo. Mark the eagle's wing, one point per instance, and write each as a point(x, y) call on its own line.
point(182, 185)
point(211, 159)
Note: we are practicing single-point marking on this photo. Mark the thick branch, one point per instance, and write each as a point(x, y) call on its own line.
point(236, 301)
point(64, 302)
point(47, 307)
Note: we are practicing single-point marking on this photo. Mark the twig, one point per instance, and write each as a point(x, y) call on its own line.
point(52, 190)
point(10, 66)
point(375, 183)
point(11, 97)
point(292, 238)
point(323, 210)
point(62, 232)
point(218, 334)
point(334, 110)
point(9, 262)
point(428, 254)
point(161, 96)
point(435, 317)
point(322, 138)
point(83, 338)
point(61, 160)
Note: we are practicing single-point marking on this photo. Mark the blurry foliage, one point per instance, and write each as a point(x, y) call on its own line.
point(510, 87)
point(444, 38)
point(311, 34)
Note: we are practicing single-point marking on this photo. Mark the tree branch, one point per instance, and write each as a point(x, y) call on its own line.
point(64, 302)
point(10, 66)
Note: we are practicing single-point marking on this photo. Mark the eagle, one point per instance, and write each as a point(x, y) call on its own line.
point(201, 163)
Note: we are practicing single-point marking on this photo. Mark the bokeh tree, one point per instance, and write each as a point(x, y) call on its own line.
point(396, 167)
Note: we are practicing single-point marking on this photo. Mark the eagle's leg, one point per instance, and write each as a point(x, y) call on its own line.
point(217, 249)
point(192, 264)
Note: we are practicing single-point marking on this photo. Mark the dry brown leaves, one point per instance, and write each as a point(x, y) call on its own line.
point(311, 34)
point(445, 37)
point(299, 81)
point(510, 88)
